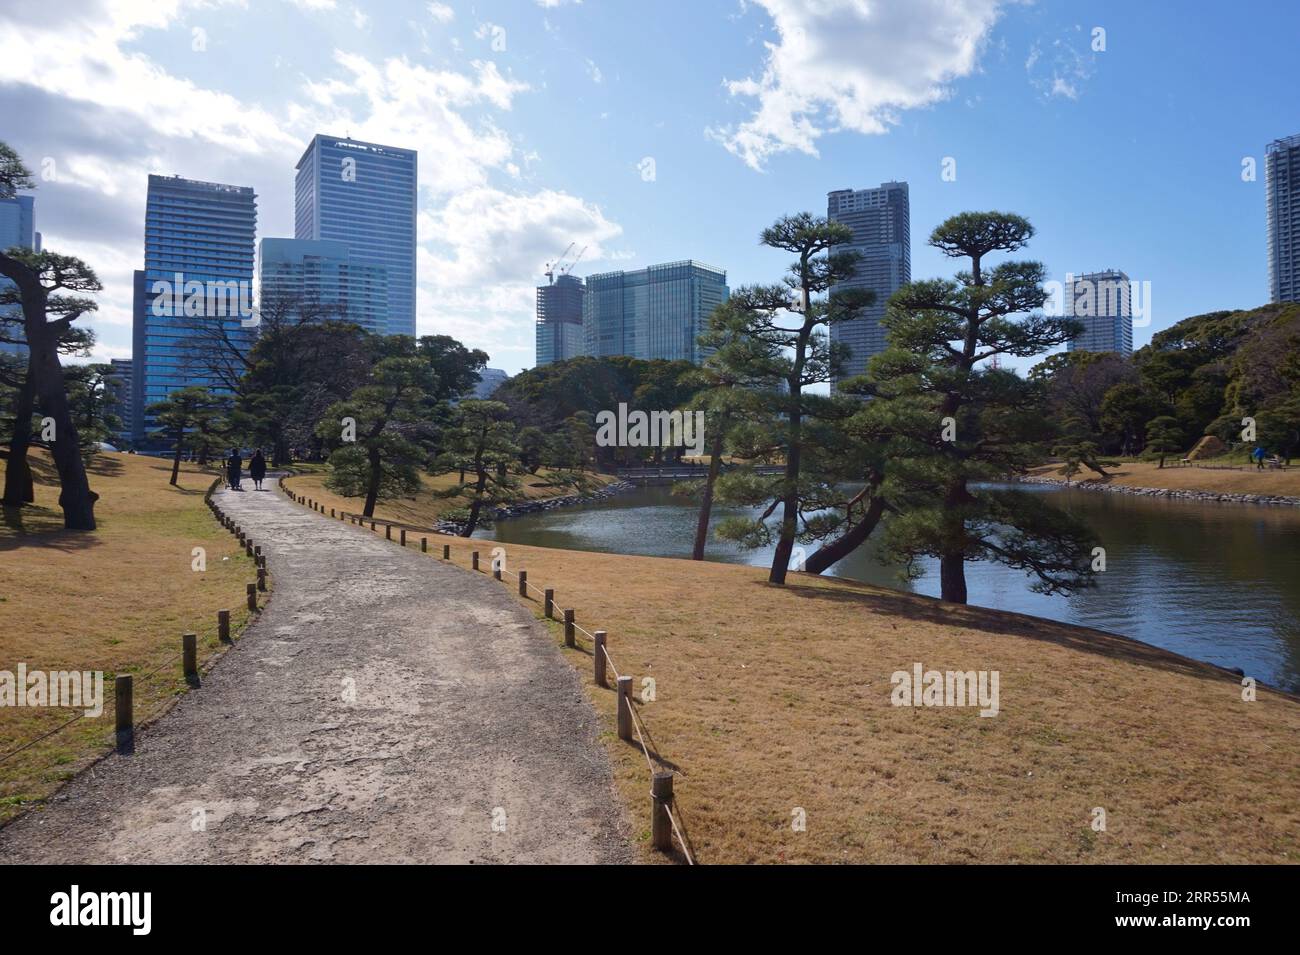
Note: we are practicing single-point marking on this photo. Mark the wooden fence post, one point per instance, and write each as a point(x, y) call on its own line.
point(474, 560)
point(261, 579)
point(125, 721)
point(523, 583)
point(549, 603)
point(388, 532)
point(598, 658)
point(403, 536)
point(252, 598)
point(223, 626)
point(568, 628)
point(446, 552)
point(661, 795)
point(424, 545)
point(625, 708)
point(190, 656)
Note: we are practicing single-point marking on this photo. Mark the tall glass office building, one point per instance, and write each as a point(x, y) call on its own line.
point(363, 194)
point(559, 320)
point(320, 276)
point(17, 228)
point(882, 234)
point(1282, 178)
point(194, 232)
point(655, 312)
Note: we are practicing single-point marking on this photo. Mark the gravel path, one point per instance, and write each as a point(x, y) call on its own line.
point(465, 721)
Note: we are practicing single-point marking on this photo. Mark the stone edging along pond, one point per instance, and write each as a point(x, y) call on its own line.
point(1206, 496)
point(544, 504)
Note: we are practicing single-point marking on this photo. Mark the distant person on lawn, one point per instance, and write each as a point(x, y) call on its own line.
point(234, 464)
point(257, 468)
point(1258, 455)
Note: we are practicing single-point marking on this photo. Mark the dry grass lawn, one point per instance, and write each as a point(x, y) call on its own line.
point(1148, 474)
point(773, 699)
point(116, 599)
point(421, 510)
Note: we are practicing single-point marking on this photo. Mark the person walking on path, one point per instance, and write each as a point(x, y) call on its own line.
point(257, 468)
point(234, 464)
point(1258, 455)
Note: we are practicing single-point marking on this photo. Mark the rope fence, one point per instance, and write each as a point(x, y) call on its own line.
point(663, 824)
point(124, 684)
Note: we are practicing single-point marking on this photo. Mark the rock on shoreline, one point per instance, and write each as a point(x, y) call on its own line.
point(1205, 496)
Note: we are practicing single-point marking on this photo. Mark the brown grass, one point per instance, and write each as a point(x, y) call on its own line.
point(116, 599)
point(773, 698)
point(1148, 474)
point(423, 509)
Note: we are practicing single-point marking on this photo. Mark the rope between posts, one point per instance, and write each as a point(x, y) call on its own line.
point(29, 745)
point(680, 838)
point(636, 724)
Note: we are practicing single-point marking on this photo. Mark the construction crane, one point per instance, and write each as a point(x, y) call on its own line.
point(565, 269)
point(550, 266)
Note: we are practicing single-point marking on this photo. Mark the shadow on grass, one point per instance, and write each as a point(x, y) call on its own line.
point(921, 609)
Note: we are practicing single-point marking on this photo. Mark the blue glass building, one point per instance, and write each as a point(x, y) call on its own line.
point(363, 194)
point(17, 228)
point(656, 312)
point(319, 276)
point(194, 232)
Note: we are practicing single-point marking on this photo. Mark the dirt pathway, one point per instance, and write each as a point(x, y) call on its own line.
point(385, 707)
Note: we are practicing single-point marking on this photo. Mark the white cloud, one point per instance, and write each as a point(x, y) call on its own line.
point(594, 72)
point(441, 12)
point(853, 65)
point(1062, 70)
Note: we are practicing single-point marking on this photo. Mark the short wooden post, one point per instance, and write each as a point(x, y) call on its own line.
point(257, 553)
point(403, 536)
point(223, 626)
point(496, 568)
point(252, 598)
point(123, 694)
point(388, 532)
point(598, 658)
point(661, 795)
point(248, 546)
point(625, 708)
point(568, 628)
point(372, 525)
point(549, 603)
point(424, 545)
point(261, 579)
point(190, 656)
point(446, 552)
point(474, 560)
point(331, 512)
point(523, 583)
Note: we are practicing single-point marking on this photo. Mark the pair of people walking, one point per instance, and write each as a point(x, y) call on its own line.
point(234, 469)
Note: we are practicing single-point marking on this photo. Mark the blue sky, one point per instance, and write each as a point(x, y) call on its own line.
point(535, 118)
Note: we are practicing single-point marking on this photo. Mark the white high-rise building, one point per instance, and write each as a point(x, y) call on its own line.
point(1282, 177)
point(1102, 301)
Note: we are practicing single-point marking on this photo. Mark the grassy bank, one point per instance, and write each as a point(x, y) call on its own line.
point(1215, 480)
point(772, 699)
point(422, 509)
point(115, 599)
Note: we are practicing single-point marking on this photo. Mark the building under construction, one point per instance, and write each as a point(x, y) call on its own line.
point(559, 313)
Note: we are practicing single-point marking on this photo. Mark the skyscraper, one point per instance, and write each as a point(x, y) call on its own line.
point(319, 275)
point(882, 235)
point(1282, 178)
point(198, 268)
point(363, 194)
point(119, 388)
point(656, 312)
point(17, 228)
point(559, 320)
point(1102, 302)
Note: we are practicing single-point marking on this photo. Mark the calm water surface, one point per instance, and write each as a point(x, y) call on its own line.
point(1218, 582)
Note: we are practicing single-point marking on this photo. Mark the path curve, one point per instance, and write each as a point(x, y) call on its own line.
point(465, 716)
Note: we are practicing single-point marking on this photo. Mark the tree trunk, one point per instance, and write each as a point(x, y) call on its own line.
point(952, 565)
point(477, 506)
point(176, 458)
point(789, 508)
point(952, 578)
point(847, 542)
point(18, 471)
point(75, 497)
point(372, 485)
point(706, 504)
